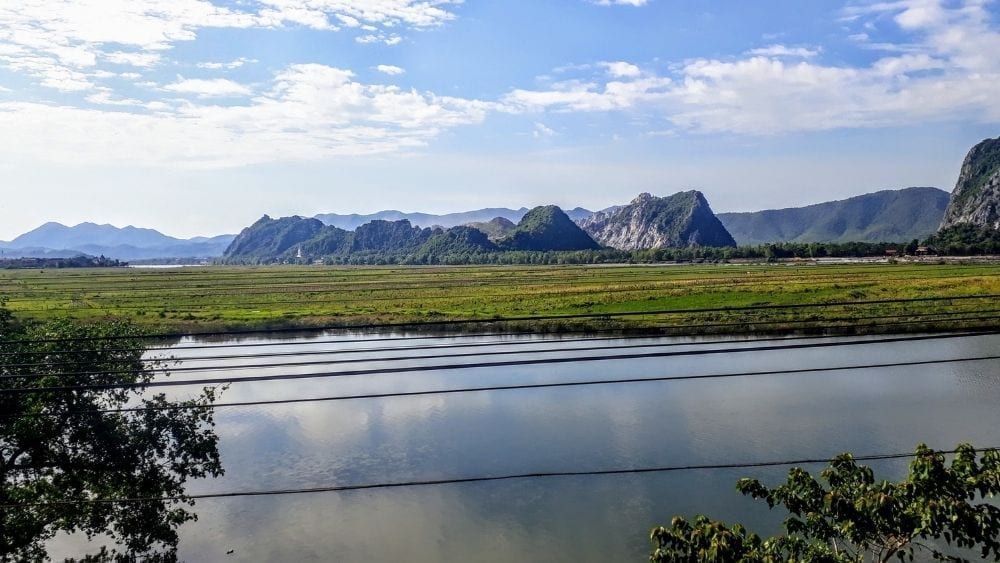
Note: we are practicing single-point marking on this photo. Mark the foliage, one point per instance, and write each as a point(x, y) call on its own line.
point(495, 228)
point(226, 298)
point(885, 215)
point(272, 237)
point(547, 228)
point(453, 242)
point(965, 239)
point(851, 517)
point(55, 449)
point(388, 236)
point(73, 262)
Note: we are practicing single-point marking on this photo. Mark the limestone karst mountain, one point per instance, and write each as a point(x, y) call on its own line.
point(976, 197)
point(680, 220)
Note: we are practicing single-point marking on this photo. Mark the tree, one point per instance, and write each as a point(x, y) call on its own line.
point(853, 518)
point(55, 450)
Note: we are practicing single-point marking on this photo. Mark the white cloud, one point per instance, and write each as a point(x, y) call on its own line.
point(542, 131)
point(236, 63)
point(52, 39)
point(575, 95)
point(948, 70)
point(134, 59)
point(635, 3)
point(309, 112)
point(209, 88)
point(621, 69)
point(353, 13)
point(388, 39)
point(391, 70)
point(784, 51)
point(104, 96)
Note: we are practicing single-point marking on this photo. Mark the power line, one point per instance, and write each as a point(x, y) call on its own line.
point(342, 351)
point(448, 367)
point(494, 320)
point(501, 343)
point(493, 353)
point(462, 390)
point(478, 479)
point(619, 332)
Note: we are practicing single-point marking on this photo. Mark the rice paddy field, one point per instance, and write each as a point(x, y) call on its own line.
point(667, 299)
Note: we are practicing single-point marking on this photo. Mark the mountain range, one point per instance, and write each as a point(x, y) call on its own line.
point(679, 220)
point(302, 238)
point(885, 216)
point(353, 221)
point(54, 240)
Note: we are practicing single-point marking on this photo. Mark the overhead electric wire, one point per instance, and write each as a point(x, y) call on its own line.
point(341, 351)
point(492, 353)
point(614, 333)
point(488, 364)
point(495, 320)
point(511, 387)
point(475, 479)
point(500, 343)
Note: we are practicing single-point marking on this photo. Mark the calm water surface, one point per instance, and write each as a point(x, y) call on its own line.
point(605, 518)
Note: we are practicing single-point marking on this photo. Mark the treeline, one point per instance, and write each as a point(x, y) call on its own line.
point(964, 240)
point(601, 256)
point(73, 262)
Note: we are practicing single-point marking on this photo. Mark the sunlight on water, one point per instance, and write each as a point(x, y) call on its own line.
point(603, 518)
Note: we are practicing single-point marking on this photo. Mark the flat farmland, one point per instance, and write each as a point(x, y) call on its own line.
point(675, 299)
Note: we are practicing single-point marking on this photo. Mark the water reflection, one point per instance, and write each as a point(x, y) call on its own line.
point(564, 519)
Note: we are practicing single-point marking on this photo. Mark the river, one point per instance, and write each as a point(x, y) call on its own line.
point(579, 518)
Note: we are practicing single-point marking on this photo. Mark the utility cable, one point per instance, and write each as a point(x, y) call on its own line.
point(492, 353)
point(487, 364)
point(462, 390)
point(478, 479)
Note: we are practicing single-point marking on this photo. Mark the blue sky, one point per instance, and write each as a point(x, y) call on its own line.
point(197, 116)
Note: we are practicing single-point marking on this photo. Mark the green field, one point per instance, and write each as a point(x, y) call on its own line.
point(214, 298)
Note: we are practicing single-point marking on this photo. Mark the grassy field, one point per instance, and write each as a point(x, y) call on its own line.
point(212, 298)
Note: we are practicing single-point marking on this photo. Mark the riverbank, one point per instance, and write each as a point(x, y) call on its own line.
point(668, 299)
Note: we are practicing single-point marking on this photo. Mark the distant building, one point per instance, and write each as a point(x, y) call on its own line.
point(891, 252)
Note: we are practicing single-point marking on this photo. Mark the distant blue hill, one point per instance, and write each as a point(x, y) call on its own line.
point(447, 220)
point(126, 243)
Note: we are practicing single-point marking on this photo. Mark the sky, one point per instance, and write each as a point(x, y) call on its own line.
point(196, 117)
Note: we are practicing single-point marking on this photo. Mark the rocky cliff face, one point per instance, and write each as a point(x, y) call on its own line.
point(976, 198)
point(681, 220)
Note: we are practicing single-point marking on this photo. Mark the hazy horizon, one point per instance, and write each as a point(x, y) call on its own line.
point(512, 207)
point(196, 117)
